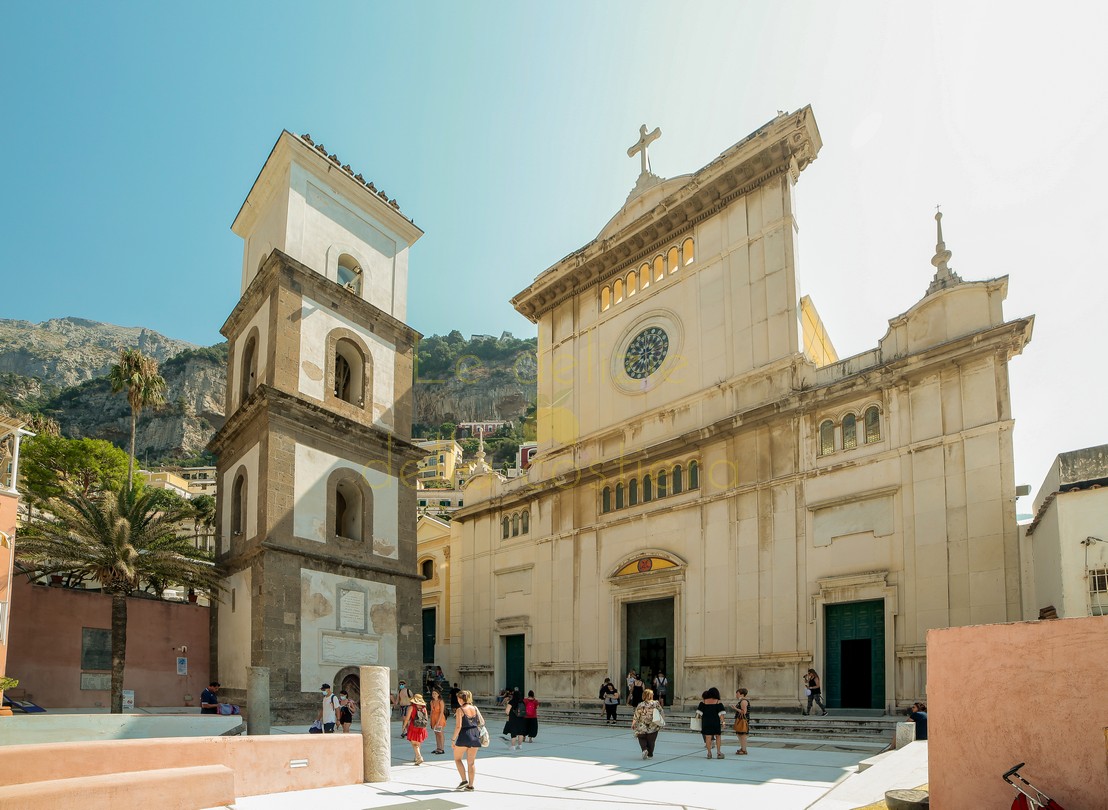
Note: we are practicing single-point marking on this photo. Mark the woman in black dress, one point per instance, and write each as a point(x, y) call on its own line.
point(467, 737)
point(636, 691)
point(516, 710)
point(712, 711)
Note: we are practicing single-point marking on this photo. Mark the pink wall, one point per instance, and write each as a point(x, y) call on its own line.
point(44, 649)
point(1032, 692)
point(261, 764)
point(8, 505)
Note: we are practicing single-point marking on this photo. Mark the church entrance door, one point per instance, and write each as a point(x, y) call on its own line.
point(428, 635)
point(649, 642)
point(855, 643)
point(514, 664)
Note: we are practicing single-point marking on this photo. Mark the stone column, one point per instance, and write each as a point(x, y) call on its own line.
point(376, 711)
point(905, 733)
point(257, 700)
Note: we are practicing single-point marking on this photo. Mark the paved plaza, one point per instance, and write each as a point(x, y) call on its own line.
point(596, 767)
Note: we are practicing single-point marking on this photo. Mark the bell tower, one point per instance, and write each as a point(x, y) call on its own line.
point(316, 508)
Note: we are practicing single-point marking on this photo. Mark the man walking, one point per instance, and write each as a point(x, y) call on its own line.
point(403, 700)
point(661, 687)
point(327, 710)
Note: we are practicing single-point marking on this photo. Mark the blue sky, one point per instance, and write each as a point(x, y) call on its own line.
point(133, 132)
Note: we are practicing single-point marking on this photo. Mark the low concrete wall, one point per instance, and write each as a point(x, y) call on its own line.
point(1027, 692)
point(35, 729)
point(260, 764)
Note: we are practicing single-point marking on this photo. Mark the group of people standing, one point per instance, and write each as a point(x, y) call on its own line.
point(649, 719)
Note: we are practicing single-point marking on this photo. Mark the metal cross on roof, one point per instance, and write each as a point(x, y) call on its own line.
point(645, 139)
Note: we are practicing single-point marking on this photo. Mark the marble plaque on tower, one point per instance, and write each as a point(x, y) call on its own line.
point(352, 612)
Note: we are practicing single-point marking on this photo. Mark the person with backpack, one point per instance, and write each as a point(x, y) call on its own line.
point(327, 712)
point(532, 716)
point(517, 721)
point(416, 723)
point(402, 700)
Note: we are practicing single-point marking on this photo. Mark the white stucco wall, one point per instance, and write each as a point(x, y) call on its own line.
point(319, 219)
point(261, 352)
point(316, 322)
point(268, 233)
point(361, 630)
point(233, 630)
point(310, 512)
point(1060, 557)
point(249, 459)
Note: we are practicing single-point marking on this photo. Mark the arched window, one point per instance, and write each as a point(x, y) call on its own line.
point(348, 510)
point(618, 290)
point(659, 267)
point(647, 489)
point(688, 253)
point(633, 492)
point(672, 259)
point(632, 283)
point(661, 483)
point(248, 380)
point(850, 431)
point(873, 424)
point(694, 475)
point(524, 522)
point(605, 299)
point(350, 273)
point(238, 505)
point(619, 496)
point(678, 480)
point(349, 372)
point(427, 569)
point(606, 500)
point(515, 525)
point(644, 276)
point(827, 437)
point(504, 528)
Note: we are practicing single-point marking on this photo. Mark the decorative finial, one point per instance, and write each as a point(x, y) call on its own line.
point(944, 276)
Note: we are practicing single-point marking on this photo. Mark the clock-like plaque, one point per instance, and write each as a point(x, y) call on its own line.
point(646, 352)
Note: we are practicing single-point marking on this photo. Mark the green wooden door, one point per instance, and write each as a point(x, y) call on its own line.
point(514, 663)
point(854, 676)
point(428, 635)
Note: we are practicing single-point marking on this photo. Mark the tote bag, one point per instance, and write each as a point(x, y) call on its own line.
point(694, 724)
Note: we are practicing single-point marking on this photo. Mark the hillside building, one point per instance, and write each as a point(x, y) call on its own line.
point(442, 457)
point(717, 494)
point(316, 526)
point(1066, 542)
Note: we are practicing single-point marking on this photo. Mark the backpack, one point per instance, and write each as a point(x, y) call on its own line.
point(420, 720)
point(521, 709)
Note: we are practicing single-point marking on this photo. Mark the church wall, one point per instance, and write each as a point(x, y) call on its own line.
point(233, 630)
point(260, 322)
point(318, 220)
point(311, 470)
point(316, 323)
point(268, 233)
point(345, 621)
point(248, 462)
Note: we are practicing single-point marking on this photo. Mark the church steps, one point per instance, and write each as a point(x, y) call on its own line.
point(870, 728)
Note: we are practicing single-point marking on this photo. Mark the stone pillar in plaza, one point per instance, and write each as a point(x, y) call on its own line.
point(257, 700)
point(905, 733)
point(376, 711)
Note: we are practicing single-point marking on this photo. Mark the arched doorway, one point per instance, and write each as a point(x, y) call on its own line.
point(347, 680)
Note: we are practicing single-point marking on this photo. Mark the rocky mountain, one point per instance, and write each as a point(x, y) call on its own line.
point(58, 369)
point(66, 351)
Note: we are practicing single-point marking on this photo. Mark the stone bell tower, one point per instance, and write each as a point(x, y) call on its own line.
point(316, 502)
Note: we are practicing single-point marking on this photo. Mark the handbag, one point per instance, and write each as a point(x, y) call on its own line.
point(316, 727)
point(742, 725)
point(694, 724)
point(807, 693)
point(658, 718)
point(482, 731)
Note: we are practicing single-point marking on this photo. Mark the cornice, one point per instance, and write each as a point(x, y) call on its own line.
point(786, 144)
point(280, 267)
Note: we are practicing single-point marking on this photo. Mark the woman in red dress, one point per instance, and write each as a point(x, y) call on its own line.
point(416, 724)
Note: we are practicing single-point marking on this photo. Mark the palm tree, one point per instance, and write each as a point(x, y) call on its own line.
point(203, 516)
point(138, 374)
point(122, 540)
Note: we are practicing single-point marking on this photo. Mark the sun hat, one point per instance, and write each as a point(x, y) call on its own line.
point(418, 700)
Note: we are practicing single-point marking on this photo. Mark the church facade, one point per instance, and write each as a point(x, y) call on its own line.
point(316, 529)
point(716, 494)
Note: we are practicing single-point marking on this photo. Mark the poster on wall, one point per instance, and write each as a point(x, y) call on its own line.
point(182, 666)
point(128, 699)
